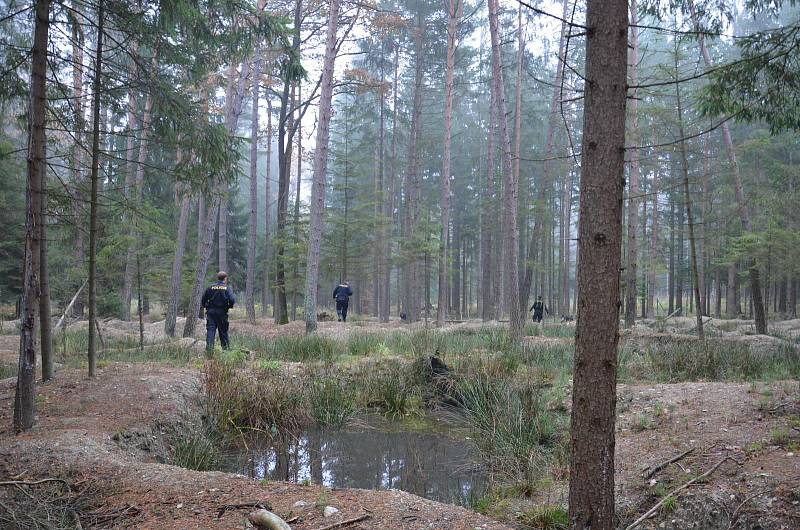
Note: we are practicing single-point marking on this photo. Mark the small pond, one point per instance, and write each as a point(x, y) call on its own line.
point(429, 464)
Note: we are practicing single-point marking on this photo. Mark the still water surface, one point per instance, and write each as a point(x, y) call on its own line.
point(431, 465)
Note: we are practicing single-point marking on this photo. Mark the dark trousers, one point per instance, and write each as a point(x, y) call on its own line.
point(216, 320)
point(537, 317)
point(341, 310)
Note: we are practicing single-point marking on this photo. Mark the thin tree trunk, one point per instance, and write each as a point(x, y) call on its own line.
point(511, 241)
point(320, 169)
point(177, 264)
point(250, 281)
point(744, 216)
point(136, 199)
point(95, 181)
point(203, 257)
point(76, 160)
point(45, 321)
point(234, 94)
point(539, 220)
point(25, 394)
point(633, 190)
point(412, 267)
point(689, 219)
point(380, 206)
point(390, 202)
point(591, 484)
point(296, 220)
point(567, 240)
point(651, 269)
point(487, 228)
point(285, 135)
point(453, 15)
point(267, 199)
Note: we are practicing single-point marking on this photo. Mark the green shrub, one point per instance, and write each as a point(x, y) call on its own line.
point(332, 404)
point(304, 348)
point(389, 388)
point(513, 429)
point(192, 448)
point(260, 399)
point(544, 518)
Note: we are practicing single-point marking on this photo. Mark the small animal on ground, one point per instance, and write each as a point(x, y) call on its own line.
point(567, 318)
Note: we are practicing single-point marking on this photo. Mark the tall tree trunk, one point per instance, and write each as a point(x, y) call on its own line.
point(320, 168)
point(177, 265)
point(517, 140)
point(511, 241)
point(25, 394)
point(285, 135)
point(701, 242)
point(651, 269)
point(250, 281)
point(679, 267)
point(45, 321)
point(203, 257)
point(136, 199)
point(567, 198)
point(390, 202)
point(539, 217)
point(130, 176)
point(487, 228)
point(412, 267)
point(671, 278)
point(267, 199)
point(687, 198)
point(234, 94)
point(95, 181)
point(380, 206)
point(296, 219)
point(591, 484)
point(177, 261)
point(76, 160)
point(633, 190)
point(453, 15)
point(744, 215)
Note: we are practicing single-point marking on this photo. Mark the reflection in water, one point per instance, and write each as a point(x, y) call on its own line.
point(429, 465)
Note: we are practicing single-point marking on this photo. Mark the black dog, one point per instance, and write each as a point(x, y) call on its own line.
point(567, 318)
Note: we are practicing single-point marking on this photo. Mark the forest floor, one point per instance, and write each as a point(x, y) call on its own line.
point(105, 436)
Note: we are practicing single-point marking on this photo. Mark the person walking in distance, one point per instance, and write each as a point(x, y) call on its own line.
point(342, 295)
point(538, 309)
point(217, 300)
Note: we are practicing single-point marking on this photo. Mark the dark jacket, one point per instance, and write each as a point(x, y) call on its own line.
point(219, 296)
point(539, 307)
point(342, 293)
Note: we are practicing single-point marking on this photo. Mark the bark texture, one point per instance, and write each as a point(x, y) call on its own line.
point(633, 189)
point(453, 12)
point(511, 235)
point(591, 484)
point(95, 182)
point(320, 169)
point(250, 279)
point(24, 396)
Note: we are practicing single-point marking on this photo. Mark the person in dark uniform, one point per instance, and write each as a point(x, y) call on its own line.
point(538, 309)
point(342, 295)
point(217, 300)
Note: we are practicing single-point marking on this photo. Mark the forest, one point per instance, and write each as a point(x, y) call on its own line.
point(498, 264)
